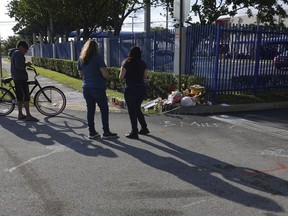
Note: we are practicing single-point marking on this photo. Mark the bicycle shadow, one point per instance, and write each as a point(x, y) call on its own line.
point(201, 171)
point(50, 133)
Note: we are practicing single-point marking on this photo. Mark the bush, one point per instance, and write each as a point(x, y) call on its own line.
point(160, 84)
point(67, 67)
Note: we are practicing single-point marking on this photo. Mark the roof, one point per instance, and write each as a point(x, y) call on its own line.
point(105, 34)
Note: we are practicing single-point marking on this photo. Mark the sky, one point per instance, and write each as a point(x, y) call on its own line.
point(6, 23)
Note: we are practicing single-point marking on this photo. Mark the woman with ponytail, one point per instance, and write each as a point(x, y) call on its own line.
point(134, 71)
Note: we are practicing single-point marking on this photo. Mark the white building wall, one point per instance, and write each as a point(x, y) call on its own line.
point(244, 19)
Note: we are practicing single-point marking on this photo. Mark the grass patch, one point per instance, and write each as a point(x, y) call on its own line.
point(71, 81)
point(4, 73)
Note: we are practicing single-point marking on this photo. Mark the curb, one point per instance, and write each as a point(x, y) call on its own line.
point(227, 109)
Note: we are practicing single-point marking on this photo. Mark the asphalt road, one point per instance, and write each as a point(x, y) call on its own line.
point(189, 165)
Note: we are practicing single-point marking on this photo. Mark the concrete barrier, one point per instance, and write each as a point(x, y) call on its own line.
point(227, 108)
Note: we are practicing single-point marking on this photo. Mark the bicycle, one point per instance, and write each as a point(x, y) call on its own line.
point(48, 100)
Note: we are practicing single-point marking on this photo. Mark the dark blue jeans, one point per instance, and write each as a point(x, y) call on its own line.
point(93, 96)
point(134, 96)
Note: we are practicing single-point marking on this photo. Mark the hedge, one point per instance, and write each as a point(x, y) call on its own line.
point(160, 83)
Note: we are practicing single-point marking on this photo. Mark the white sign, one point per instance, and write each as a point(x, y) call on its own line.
point(185, 9)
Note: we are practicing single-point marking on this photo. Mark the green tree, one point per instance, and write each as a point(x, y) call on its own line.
point(119, 10)
point(9, 43)
point(208, 11)
point(62, 16)
point(32, 15)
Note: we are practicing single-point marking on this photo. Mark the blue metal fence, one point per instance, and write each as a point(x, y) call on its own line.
point(62, 51)
point(157, 48)
point(230, 58)
point(233, 58)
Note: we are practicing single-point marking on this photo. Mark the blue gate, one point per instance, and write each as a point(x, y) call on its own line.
point(233, 58)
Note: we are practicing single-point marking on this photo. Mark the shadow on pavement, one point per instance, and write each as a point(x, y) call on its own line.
point(203, 172)
point(50, 132)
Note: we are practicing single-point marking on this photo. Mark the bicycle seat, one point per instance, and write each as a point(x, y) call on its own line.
point(6, 80)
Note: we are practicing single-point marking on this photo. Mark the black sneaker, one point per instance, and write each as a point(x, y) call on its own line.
point(94, 136)
point(109, 135)
point(144, 131)
point(132, 136)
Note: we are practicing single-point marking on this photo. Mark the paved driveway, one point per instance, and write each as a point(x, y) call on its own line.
point(189, 165)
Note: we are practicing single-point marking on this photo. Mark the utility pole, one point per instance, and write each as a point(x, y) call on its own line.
point(147, 16)
point(181, 10)
point(147, 28)
point(180, 45)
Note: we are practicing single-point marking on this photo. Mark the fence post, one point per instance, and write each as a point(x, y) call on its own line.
point(41, 45)
point(53, 51)
point(119, 50)
point(72, 51)
point(155, 50)
point(215, 81)
point(257, 58)
point(1, 72)
point(180, 54)
point(34, 38)
point(107, 51)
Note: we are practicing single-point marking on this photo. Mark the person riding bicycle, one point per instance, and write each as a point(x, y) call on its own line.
point(20, 77)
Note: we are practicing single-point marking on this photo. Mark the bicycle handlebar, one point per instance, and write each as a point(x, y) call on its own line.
point(33, 69)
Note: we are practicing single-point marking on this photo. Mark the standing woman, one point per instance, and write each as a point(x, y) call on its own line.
point(94, 73)
point(134, 71)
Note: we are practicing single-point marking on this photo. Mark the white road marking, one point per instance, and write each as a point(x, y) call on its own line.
point(268, 130)
point(275, 152)
point(35, 158)
point(56, 150)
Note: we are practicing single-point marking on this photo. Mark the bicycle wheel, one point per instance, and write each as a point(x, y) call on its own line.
point(7, 102)
point(50, 101)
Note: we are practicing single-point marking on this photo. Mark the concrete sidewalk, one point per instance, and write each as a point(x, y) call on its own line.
point(75, 100)
point(215, 109)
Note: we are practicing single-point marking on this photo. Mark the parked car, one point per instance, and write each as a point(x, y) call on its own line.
point(242, 56)
point(281, 60)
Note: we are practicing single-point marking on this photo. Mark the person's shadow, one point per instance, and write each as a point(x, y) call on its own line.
point(49, 133)
point(202, 171)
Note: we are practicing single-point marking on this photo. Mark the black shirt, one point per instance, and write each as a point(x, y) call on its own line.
point(134, 71)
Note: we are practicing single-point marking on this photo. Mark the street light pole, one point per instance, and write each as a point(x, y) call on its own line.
point(132, 17)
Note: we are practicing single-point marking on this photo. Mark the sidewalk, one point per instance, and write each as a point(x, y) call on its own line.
point(75, 100)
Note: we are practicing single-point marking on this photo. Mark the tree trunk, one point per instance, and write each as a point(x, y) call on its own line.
point(86, 33)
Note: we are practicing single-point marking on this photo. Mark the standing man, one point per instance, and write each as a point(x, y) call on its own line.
point(20, 77)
